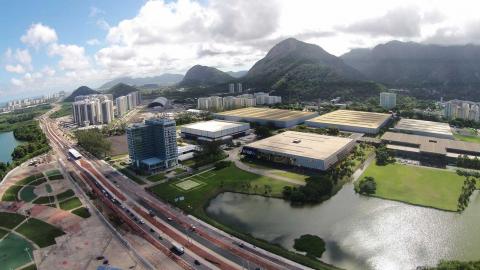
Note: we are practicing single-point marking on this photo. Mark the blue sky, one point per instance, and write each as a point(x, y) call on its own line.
point(53, 45)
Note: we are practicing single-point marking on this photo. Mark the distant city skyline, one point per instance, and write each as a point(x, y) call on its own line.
point(69, 44)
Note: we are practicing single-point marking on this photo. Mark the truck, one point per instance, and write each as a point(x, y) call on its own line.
point(177, 248)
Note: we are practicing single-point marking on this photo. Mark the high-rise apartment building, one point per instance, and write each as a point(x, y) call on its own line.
point(462, 109)
point(121, 104)
point(92, 110)
point(231, 88)
point(388, 100)
point(152, 146)
point(239, 87)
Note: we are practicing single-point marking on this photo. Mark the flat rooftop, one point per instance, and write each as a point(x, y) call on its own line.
point(309, 145)
point(267, 113)
point(214, 125)
point(422, 126)
point(431, 144)
point(353, 118)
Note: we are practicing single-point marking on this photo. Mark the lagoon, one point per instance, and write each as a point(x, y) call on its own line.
point(360, 232)
point(7, 144)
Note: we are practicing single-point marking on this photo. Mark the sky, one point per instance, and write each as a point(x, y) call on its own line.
point(52, 45)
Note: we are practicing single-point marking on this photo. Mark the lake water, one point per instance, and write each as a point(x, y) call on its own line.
point(360, 232)
point(7, 144)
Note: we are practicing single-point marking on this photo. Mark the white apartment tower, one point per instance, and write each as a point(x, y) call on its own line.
point(388, 100)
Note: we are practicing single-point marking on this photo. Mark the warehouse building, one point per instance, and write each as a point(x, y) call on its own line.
point(214, 130)
point(351, 121)
point(265, 116)
point(424, 128)
point(307, 150)
point(429, 150)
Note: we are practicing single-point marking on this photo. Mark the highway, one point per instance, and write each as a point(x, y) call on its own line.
point(158, 222)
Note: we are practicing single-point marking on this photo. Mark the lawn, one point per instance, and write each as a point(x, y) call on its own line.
point(417, 185)
point(156, 177)
point(70, 204)
point(285, 172)
point(82, 212)
point(11, 193)
point(45, 199)
point(465, 138)
point(43, 234)
point(212, 183)
point(29, 179)
point(10, 220)
point(55, 177)
point(64, 195)
point(53, 172)
point(12, 252)
point(131, 175)
point(27, 194)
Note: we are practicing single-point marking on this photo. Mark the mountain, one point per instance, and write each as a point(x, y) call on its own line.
point(237, 74)
point(81, 91)
point(204, 76)
point(120, 89)
point(299, 70)
point(166, 79)
point(409, 63)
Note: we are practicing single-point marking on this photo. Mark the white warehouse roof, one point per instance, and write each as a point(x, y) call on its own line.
point(214, 128)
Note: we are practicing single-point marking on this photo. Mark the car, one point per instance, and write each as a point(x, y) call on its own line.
point(169, 219)
point(141, 221)
point(196, 262)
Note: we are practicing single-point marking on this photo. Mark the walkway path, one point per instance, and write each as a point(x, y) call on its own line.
point(234, 156)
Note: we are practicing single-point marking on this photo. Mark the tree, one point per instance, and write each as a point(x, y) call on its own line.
point(93, 141)
point(332, 131)
point(367, 186)
point(384, 156)
point(263, 131)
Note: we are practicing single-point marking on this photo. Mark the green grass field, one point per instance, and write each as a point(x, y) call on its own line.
point(70, 204)
point(27, 194)
point(43, 200)
point(10, 220)
point(12, 252)
point(417, 185)
point(216, 181)
point(53, 172)
point(156, 177)
point(43, 234)
point(82, 212)
point(474, 139)
point(64, 195)
point(11, 193)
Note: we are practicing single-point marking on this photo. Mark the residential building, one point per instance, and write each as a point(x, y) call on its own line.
point(239, 87)
point(461, 109)
point(388, 100)
point(231, 88)
point(92, 110)
point(122, 107)
point(262, 98)
point(152, 146)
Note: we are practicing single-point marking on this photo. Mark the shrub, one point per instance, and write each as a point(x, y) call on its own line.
point(367, 185)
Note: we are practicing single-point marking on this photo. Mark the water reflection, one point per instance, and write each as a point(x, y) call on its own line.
point(360, 232)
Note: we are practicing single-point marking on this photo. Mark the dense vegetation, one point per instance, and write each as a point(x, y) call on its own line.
point(366, 185)
point(81, 91)
point(10, 121)
point(468, 188)
point(464, 161)
point(383, 155)
point(121, 89)
point(93, 141)
point(187, 118)
point(36, 142)
point(313, 245)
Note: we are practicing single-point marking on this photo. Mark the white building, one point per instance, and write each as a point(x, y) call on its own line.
point(122, 106)
point(388, 100)
point(214, 130)
point(239, 87)
point(265, 99)
point(462, 109)
point(92, 110)
point(231, 88)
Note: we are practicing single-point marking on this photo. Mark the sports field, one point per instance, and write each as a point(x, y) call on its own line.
point(197, 190)
point(430, 187)
point(13, 252)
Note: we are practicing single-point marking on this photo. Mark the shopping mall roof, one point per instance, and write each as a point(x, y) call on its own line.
point(353, 119)
point(303, 144)
point(267, 114)
point(421, 127)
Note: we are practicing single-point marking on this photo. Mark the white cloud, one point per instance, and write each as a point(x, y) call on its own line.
point(16, 82)
point(72, 57)
point(39, 34)
point(48, 71)
point(23, 56)
point(15, 68)
point(93, 42)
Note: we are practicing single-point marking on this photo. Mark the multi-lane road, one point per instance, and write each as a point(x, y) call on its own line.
point(159, 223)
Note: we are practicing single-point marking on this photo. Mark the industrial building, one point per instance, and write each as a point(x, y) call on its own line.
point(92, 110)
point(265, 116)
point(351, 121)
point(307, 150)
point(424, 128)
point(152, 146)
point(214, 130)
point(429, 150)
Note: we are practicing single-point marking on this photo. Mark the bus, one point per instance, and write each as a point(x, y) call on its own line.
point(177, 248)
point(74, 154)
